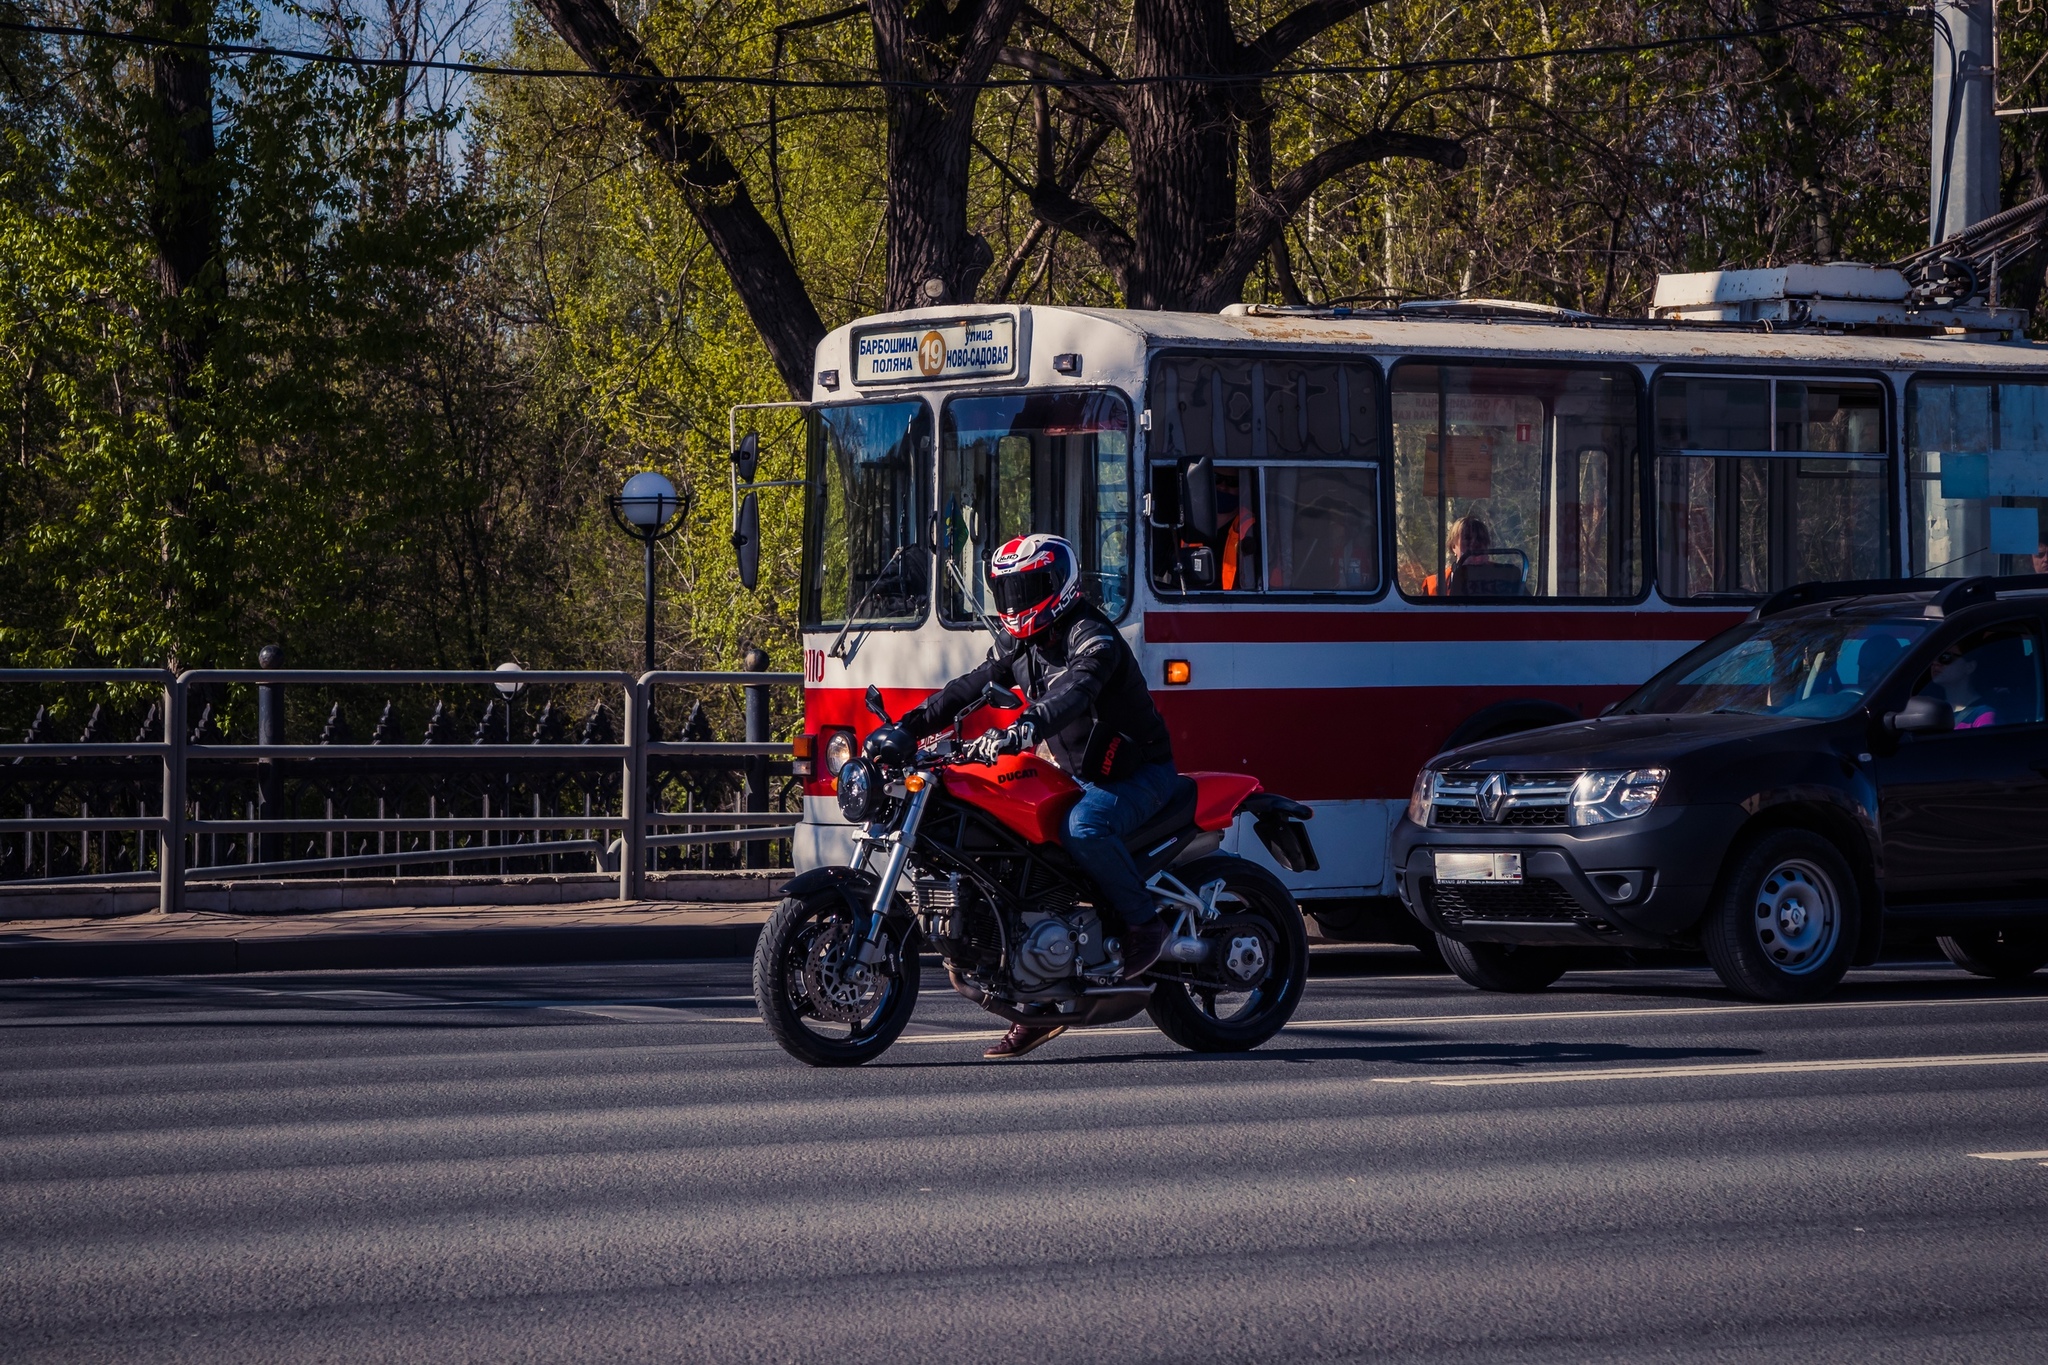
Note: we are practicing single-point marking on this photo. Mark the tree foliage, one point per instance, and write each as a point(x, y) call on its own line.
point(295, 353)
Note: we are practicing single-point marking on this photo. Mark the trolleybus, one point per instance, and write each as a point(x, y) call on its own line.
point(1342, 542)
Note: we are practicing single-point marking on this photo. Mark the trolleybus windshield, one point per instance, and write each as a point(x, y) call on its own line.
point(868, 464)
point(1017, 464)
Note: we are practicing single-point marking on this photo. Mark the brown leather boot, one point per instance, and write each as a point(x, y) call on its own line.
point(1143, 944)
point(1023, 1038)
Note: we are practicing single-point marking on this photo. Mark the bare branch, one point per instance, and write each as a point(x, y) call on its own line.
point(1262, 221)
point(1292, 31)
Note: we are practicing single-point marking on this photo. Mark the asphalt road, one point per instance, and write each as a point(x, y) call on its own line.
point(613, 1163)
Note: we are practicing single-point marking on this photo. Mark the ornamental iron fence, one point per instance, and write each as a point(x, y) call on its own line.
point(580, 778)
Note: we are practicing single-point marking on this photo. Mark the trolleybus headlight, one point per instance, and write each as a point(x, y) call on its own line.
point(838, 749)
point(860, 791)
point(1600, 797)
point(1418, 799)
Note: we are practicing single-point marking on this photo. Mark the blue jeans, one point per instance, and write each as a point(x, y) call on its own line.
point(1095, 836)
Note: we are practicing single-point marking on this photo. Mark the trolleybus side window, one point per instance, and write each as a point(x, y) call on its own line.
point(1764, 482)
point(1516, 481)
point(1016, 464)
point(868, 464)
point(1295, 444)
point(1977, 476)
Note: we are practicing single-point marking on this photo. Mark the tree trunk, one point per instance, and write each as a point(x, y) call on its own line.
point(1183, 142)
point(184, 215)
point(930, 142)
point(1190, 243)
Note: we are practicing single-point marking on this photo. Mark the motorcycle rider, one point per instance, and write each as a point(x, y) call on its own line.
point(1086, 699)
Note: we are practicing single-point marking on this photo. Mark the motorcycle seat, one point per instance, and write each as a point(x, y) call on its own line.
point(1176, 815)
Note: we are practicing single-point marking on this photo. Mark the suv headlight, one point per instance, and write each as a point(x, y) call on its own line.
point(1601, 797)
point(1418, 799)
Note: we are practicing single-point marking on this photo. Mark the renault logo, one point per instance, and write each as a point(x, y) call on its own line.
point(1493, 794)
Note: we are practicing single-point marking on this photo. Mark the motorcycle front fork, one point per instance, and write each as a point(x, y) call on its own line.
point(871, 947)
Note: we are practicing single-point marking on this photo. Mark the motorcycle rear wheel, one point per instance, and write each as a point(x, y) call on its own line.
point(821, 1005)
point(1202, 1013)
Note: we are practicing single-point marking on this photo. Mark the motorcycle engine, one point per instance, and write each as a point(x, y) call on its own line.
point(1057, 948)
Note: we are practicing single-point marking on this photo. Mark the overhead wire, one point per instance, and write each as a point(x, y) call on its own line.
point(778, 82)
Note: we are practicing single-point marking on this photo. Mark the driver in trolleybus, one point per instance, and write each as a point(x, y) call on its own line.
point(1086, 698)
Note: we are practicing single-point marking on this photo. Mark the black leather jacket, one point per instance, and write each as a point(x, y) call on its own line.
point(1086, 695)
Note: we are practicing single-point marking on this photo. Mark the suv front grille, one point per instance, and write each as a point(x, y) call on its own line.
point(1539, 900)
point(1461, 799)
point(1511, 817)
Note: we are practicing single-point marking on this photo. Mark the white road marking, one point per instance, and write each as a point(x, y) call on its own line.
point(2010, 1156)
point(1645, 1073)
point(1529, 1016)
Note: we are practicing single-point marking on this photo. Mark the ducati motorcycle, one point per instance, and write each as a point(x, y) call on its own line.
point(971, 868)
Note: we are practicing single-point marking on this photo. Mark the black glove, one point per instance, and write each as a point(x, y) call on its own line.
point(988, 747)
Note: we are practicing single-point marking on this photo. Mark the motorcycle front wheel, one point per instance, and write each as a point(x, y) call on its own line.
point(820, 1002)
point(1245, 991)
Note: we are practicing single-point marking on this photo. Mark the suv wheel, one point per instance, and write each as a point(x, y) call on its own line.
point(1504, 966)
point(1784, 925)
point(2001, 954)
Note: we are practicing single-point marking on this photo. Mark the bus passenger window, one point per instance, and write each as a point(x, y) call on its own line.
point(1515, 482)
point(1296, 444)
point(1976, 476)
point(1763, 483)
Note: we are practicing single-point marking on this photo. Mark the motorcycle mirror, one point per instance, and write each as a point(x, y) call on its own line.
point(1001, 698)
point(746, 456)
point(875, 706)
point(1198, 495)
point(746, 540)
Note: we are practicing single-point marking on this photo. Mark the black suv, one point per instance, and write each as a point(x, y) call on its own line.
point(1856, 759)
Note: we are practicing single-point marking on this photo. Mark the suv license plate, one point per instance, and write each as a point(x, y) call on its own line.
point(1479, 867)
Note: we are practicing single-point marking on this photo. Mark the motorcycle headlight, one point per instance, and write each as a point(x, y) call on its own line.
point(860, 791)
point(1601, 797)
point(1418, 799)
point(838, 750)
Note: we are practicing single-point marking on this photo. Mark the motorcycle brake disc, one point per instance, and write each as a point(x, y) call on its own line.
point(836, 985)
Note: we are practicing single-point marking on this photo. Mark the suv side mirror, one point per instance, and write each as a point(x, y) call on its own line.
point(1922, 715)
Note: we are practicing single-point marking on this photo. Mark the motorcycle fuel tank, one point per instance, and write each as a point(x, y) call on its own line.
point(1029, 795)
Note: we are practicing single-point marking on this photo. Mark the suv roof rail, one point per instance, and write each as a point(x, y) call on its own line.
point(1971, 592)
point(1806, 594)
point(1948, 595)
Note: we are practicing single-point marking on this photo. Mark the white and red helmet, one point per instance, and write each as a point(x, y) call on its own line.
point(1034, 578)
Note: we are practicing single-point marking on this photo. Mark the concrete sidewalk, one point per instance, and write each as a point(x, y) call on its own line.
point(201, 942)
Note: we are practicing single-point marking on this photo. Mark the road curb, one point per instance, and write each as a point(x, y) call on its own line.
point(518, 947)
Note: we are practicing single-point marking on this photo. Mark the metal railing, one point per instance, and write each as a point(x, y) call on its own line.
point(181, 832)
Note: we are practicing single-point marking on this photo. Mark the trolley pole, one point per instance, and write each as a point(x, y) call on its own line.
point(1964, 166)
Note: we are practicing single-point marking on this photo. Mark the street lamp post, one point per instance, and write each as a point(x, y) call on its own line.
point(648, 508)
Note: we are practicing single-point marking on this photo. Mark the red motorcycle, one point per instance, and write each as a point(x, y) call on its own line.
point(973, 869)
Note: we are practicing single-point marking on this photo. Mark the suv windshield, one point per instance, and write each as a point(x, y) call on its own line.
point(1814, 667)
point(861, 551)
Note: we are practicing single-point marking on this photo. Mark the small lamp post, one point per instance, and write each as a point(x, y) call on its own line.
point(648, 508)
point(508, 690)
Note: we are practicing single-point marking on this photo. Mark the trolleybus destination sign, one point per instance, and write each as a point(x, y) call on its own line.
point(975, 348)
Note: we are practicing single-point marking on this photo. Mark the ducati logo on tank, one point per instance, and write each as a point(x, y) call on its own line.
point(971, 348)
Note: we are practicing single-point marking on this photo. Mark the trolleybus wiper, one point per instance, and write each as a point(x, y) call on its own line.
point(839, 645)
point(967, 598)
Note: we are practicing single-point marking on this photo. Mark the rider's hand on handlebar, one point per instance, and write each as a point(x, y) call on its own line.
point(992, 745)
